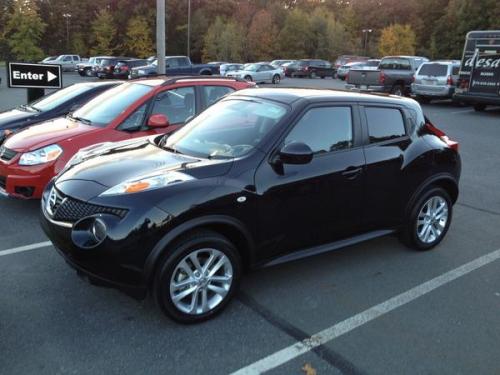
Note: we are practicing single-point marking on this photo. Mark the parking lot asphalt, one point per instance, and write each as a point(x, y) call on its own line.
point(52, 322)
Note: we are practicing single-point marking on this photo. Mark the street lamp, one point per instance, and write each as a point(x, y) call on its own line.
point(365, 33)
point(189, 29)
point(67, 16)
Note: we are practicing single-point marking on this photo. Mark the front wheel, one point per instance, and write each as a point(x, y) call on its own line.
point(199, 277)
point(312, 75)
point(276, 79)
point(479, 107)
point(429, 220)
point(248, 78)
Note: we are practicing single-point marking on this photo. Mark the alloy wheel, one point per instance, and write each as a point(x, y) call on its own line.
point(201, 281)
point(432, 219)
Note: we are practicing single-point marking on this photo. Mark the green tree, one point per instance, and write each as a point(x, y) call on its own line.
point(139, 42)
point(103, 32)
point(296, 35)
point(24, 31)
point(224, 40)
point(263, 37)
point(397, 40)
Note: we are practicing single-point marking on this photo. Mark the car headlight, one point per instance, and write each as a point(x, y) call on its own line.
point(148, 183)
point(140, 71)
point(40, 156)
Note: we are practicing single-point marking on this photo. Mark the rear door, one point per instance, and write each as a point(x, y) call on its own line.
point(387, 140)
point(302, 206)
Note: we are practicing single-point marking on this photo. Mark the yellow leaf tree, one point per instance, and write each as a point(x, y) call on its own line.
point(397, 39)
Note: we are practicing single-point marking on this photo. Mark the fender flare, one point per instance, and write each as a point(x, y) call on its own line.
point(162, 246)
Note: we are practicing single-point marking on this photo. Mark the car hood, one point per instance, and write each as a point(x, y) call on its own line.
point(111, 164)
point(12, 116)
point(47, 133)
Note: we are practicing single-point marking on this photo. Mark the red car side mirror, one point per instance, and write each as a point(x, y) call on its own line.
point(158, 120)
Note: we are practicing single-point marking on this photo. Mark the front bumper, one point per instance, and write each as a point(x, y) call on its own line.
point(118, 261)
point(25, 182)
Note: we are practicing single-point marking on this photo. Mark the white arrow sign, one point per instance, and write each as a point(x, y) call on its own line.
point(50, 76)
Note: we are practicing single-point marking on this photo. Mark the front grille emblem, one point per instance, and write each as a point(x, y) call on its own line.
point(51, 201)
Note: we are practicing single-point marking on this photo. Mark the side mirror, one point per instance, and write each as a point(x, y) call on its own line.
point(296, 153)
point(158, 120)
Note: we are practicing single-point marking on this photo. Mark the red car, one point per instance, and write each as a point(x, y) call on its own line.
point(30, 158)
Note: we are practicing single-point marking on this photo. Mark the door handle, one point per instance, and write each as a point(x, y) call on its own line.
point(352, 172)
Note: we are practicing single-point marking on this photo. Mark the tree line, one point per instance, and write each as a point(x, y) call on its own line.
point(243, 30)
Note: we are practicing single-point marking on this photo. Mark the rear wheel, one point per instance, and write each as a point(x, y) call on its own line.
point(88, 72)
point(479, 107)
point(429, 220)
point(397, 90)
point(199, 277)
point(312, 75)
point(276, 79)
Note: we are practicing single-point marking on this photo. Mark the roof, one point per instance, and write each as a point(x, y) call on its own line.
point(291, 95)
point(158, 80)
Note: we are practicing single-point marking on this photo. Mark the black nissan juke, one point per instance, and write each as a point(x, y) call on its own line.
point(262, 177)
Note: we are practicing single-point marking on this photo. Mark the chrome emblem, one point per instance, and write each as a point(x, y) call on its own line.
point(51, 201)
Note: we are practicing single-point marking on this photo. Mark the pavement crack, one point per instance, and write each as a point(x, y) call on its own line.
point(331, 357)
point(478, 208)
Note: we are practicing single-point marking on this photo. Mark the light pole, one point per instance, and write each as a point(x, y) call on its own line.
point(365, 33)
point(160, 35)
point(189, 29)
point(67, 16)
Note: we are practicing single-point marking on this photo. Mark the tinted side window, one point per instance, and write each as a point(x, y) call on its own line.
point(384, 123)
point(212, 94)
point(395, 63)
point(324, 129)
point(177, 104)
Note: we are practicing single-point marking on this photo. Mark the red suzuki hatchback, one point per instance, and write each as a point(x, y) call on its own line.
point(30, 158)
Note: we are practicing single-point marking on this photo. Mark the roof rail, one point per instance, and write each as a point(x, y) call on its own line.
point(173, 79)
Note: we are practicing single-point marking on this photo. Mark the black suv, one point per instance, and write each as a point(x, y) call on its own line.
point(123, 69)
point(312, 68)
point(262, 177)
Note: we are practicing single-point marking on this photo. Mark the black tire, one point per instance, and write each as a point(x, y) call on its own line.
point(322, 77)
point(479, 107)
point(423, 99)
point(409, 234)
point(88, 72)
point(202, 239)
point(248, 78)
point(312, 74)
point(398, 90)
point(276, 79)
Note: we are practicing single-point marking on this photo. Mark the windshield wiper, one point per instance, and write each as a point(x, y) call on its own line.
point(29, 108)
point(81, 119)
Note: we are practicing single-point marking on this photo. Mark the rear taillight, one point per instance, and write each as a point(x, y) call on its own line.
point(449, 81)
point(381, 78)
point(441, 135)
point(347, 76)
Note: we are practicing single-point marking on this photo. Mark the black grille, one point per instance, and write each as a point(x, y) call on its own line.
point(3, 182)
point(7, 154)
point(72, 210)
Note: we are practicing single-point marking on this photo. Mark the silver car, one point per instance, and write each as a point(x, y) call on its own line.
point(435, 80)
point(258, 73)
point(228, 68)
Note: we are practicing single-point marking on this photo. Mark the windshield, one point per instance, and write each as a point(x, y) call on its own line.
point(433, 70)
point(228, 129)
point(105, 107)
point(59, 97)
point(105, 62)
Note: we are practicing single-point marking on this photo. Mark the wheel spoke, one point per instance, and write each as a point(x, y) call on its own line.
point(186, 268)
point(209, 262)
point(221, 279)
point(184, 294)
point(182, 284)
point(194, 302)
point(204, 301)
point(217, 266)
point(217, 289)
point(196, 262)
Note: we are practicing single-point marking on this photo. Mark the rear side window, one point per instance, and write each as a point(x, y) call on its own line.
point(395, 64)
point(324, 129)
point(436, 70)
point(212, 94)
point(384, 124)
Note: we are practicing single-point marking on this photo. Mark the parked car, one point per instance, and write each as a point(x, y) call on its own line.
point(394, 75)
point(345, 59)
point(435, 80)
point(479, 81)
point(278, 63)
point(47, 59)
point(67, 62)
point(122, 68)
point(343, 71)
point(260, 178)
point(32, 157)
point(312, 69)
point(258, 73)
point(87, 68)
point(56, 104)
point(230, 67)
point(107, 66)
point(176, 65)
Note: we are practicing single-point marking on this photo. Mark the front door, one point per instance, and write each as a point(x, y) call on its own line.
point(313, 204)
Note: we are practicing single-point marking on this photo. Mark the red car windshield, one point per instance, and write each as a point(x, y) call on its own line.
point(104, 108)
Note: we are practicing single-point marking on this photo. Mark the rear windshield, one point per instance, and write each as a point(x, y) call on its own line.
point(395, 64)
point(433, 70)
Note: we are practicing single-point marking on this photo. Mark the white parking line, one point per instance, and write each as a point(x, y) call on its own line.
point(25, 248)
point(299, 348)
